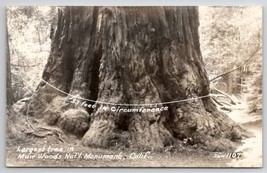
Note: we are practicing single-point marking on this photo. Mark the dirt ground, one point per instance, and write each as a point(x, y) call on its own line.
point(252, 147)
point(184, 157)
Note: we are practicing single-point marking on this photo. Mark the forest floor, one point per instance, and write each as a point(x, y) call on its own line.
point(185, 157)
point(252, 147)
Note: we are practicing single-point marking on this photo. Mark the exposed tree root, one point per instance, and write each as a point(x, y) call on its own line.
point(42, 132)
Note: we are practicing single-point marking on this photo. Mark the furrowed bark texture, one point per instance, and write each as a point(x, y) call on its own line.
point(132, 55)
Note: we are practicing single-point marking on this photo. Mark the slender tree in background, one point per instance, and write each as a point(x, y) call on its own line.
point(131, 55)
point(9, 94)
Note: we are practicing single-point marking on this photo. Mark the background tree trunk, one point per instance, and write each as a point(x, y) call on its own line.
point(9, 94)
point(134, 55)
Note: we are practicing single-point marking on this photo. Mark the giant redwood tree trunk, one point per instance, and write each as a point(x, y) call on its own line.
point(131, 55)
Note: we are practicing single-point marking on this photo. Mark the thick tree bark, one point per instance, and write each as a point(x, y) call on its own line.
point(132, 55)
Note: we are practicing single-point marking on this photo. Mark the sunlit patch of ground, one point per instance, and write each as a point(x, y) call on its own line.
point(252, 147)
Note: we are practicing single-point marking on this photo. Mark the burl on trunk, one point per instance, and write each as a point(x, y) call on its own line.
point(132, 55)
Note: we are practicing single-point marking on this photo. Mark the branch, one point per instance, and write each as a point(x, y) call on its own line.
point(217, 95)
point(216, 101)
point(225, 94)
point(251, 56)
point(221, 106)
point(24, 65)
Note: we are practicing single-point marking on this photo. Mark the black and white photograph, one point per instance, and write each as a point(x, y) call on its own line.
point(134, 86)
